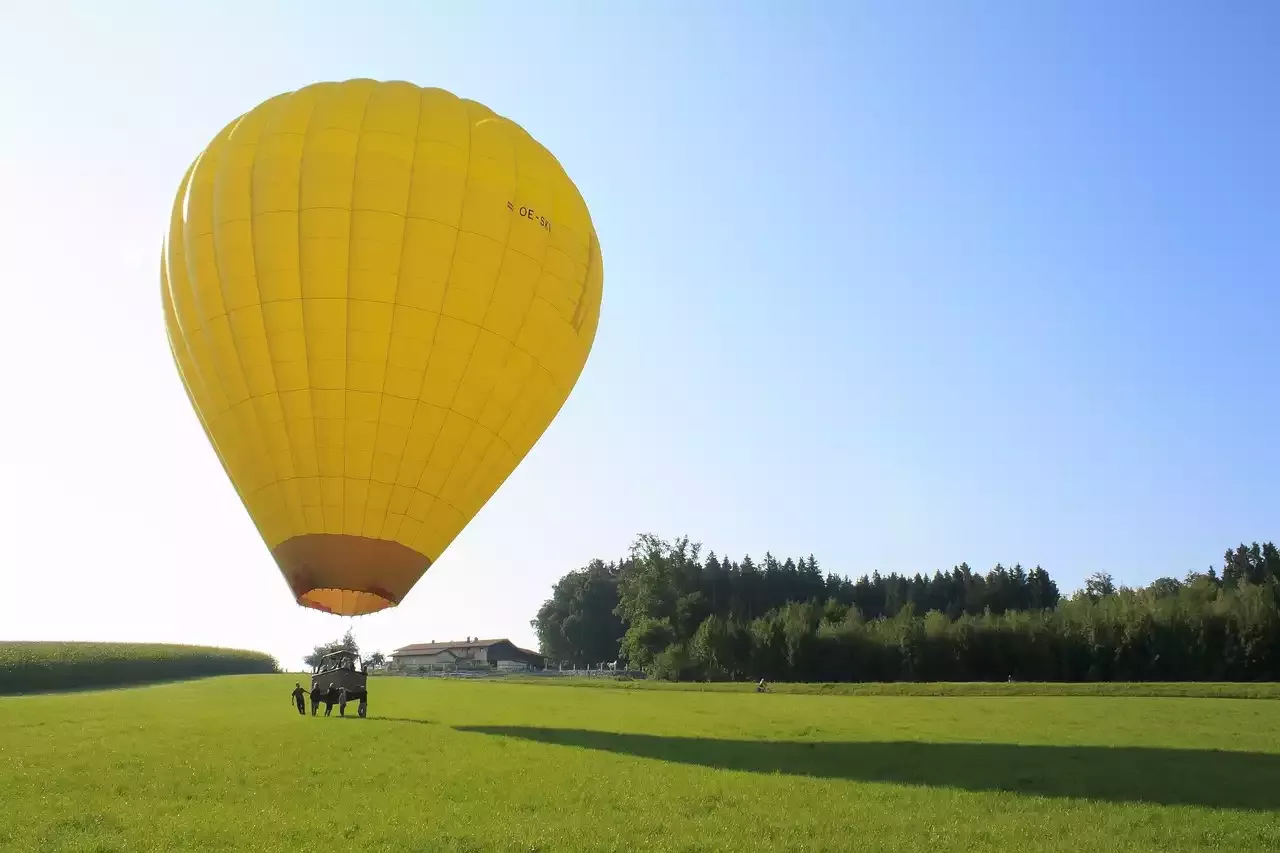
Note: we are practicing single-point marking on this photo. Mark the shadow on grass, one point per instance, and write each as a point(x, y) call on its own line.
point(1215, 779)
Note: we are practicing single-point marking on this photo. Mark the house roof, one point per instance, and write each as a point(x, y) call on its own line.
point(435, 648)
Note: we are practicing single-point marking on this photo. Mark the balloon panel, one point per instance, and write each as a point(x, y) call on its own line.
point(378, 296)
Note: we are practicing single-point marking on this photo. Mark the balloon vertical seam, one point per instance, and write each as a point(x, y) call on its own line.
point(264, 115)
point(196, 284)
point(475, 424)
point(302, 305)
point(259, 114)
point(346, 363)
point(249, 402)
point(453, 257)
point(194, 397)
point(395, 301)
point(295, 525)
point(542, 264)
point(167, 282)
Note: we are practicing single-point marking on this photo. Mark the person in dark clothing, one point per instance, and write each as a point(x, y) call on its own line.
point(330, 696)
point(316, 693)
point(297, 695)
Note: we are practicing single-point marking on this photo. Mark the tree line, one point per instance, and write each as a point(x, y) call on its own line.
point(668, 611)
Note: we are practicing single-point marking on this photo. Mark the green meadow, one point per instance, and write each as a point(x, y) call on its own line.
point(226, 764)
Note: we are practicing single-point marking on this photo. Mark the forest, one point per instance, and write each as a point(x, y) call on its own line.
point(667, 611)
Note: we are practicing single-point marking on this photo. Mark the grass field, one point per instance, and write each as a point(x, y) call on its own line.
point(227, 764)
point(1187, 689)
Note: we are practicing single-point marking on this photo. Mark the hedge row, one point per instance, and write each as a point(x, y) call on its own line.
point(34, 667)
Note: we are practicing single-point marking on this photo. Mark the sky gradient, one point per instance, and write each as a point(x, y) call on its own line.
point(898, 284)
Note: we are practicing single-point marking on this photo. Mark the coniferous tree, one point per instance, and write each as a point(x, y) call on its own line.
point(667, 611)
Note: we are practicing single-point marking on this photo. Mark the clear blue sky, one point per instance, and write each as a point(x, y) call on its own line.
point(899, 284)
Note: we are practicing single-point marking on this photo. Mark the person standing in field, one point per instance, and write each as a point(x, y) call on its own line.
point(297, 695)
point(329, 696)
point(342, 702)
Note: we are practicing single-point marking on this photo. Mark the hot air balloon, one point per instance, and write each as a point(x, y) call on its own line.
point(378, 296)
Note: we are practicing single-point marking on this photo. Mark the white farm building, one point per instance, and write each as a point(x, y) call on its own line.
point(465, 654)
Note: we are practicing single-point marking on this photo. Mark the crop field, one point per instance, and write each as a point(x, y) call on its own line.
point(33, 667)
point(226, 764)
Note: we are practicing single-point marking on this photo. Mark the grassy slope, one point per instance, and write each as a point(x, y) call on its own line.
point(33, 667)
point(226, 764)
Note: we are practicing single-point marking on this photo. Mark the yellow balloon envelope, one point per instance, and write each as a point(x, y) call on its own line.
point(378, 297)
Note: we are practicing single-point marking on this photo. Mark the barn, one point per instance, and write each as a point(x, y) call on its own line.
point(466, 654)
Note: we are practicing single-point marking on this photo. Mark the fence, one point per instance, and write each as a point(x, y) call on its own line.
point(450, 670)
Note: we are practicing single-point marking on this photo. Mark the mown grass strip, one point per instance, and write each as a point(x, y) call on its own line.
point(1189, 689)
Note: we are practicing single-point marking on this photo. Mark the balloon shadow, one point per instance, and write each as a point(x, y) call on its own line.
point(1171, 777)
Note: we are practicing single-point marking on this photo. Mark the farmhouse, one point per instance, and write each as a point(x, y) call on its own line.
point(467, 654)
